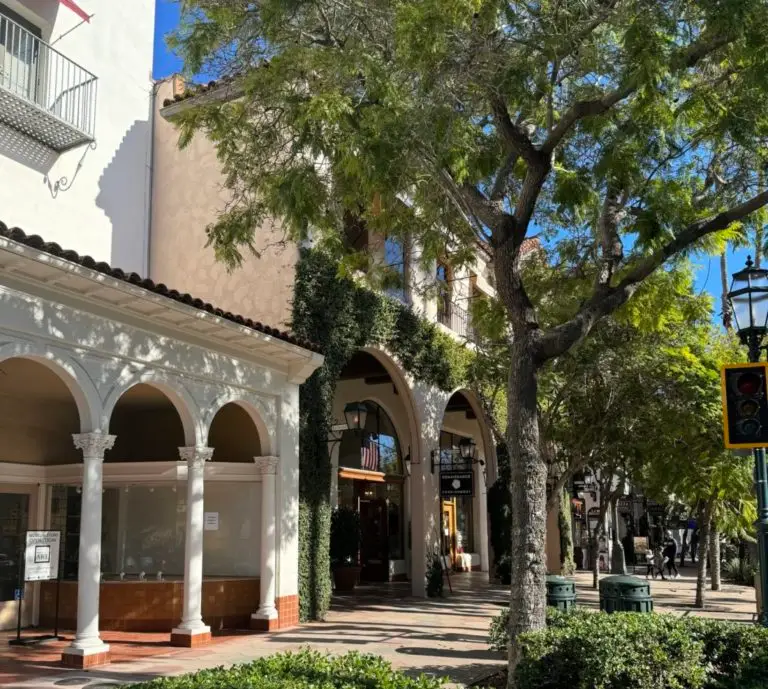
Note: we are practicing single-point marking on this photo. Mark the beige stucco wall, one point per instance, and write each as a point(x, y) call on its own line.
point(188, 194)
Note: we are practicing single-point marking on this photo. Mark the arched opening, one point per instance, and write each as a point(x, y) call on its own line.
point(233, 435)
point(232, 539)
point(370, 464)
point(38, 415)
point(147, 426)
point(463, 454)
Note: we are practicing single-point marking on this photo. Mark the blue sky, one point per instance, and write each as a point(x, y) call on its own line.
point(166, 19)
point(166, 63)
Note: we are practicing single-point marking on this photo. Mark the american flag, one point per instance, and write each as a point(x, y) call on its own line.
point(370, 454)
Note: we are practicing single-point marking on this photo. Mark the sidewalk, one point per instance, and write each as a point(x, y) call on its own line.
point(676, 596)
point(445, 637)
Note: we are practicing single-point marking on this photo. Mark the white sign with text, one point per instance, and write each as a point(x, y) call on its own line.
point(42, 555)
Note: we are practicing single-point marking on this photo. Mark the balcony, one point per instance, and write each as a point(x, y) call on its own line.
point(42, 93)
point(457, 319)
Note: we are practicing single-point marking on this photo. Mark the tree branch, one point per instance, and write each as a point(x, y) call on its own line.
point(686, 58)
point(513, 134)
point(559, 339)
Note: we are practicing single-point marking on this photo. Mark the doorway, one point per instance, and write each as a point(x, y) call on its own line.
point(374, 540)
point(449, 532)
point(14, 522)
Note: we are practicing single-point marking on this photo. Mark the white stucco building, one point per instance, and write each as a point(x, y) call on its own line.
point(75, 129)
point(156, 432)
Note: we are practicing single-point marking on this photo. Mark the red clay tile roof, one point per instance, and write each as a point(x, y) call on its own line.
point(36, 242)
point(193, 90)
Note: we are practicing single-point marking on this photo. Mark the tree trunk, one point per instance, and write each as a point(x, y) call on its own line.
point(528, 486)
point(565, 526)
point(714, 557)
point(618, 559)
point(725, 305)
point(701, 580)
point(596, 559)
point(684, 548)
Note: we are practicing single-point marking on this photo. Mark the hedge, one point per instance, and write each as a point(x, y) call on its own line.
point(586, 650)
point(303, 670)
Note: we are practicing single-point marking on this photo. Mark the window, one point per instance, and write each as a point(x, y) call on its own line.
point(19, 47)
point(14, 514)
point(396, 280)
point(143, 530)
point(442, 277)
point(380, 432)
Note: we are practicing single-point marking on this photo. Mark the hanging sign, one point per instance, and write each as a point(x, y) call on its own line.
point(455, 484)
point(41, 557)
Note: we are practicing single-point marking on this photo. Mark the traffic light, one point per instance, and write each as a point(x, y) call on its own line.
point(745, 405)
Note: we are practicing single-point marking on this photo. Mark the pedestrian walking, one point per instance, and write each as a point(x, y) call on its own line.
point(694, 545)
point(670, 553)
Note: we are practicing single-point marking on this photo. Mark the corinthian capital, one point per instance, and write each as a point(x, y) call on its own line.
point(196, 457)
point(93, 445)
point(266, 465)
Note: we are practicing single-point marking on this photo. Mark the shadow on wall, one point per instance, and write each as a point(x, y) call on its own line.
point(25, 150)
point(123, 198)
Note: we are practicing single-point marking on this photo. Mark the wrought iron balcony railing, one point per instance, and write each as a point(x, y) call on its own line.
point(43, 93)
point(456, 318)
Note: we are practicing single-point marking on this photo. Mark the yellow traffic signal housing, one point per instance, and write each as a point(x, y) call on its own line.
point(745, 405)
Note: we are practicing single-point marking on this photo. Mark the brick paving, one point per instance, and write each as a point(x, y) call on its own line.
point(445, 637)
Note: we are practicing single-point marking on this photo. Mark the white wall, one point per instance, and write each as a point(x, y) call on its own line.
point(105, 211)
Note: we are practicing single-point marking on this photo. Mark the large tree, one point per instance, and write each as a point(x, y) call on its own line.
point(469, 124)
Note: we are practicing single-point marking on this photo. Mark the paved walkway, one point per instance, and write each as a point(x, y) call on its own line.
point(445, 637)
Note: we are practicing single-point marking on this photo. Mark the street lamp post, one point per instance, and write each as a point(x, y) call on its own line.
point(749, 300)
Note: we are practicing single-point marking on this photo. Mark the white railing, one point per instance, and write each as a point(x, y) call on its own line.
point(32, 70)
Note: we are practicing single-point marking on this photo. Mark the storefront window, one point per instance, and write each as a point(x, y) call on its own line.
point(377, 442)
point(143, 529)
point(14, 514)
point(464, 530)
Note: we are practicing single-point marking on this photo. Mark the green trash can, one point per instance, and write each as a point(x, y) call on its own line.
point(625, 594)
point(609, 595)
point(561, 593)
point(635, 595)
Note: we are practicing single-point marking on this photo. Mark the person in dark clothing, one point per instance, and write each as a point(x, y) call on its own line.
point(694, 545)
point(670, 553)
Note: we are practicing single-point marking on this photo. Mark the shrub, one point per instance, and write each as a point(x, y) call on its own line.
point(582, 650)
point(304, 670)
point(345, 536)
point(434, 576)
point(740, 571)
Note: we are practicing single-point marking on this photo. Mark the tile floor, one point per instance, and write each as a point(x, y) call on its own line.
point(446, 637)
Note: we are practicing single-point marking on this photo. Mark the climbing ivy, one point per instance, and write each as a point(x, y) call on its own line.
point(342, 317)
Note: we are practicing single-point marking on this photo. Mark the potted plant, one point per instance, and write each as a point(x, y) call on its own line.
point(345, 546)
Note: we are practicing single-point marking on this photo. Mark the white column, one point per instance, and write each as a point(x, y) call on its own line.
point(265, 617)
point(192, 631)
point(87, 642)
point(482, 515)
point(425, 510)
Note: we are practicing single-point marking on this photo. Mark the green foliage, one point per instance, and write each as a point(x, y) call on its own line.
point(343, 317)
point(740, 571)
point(303, 670)
point(587, 650)
point(345, 536)
point(435, 576)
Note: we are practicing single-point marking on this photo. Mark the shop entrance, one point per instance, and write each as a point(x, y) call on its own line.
point(374, 541)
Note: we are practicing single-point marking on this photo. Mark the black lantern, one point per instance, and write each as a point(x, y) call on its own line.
point(749, 301)
point(467, 449)
point(355, 414)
